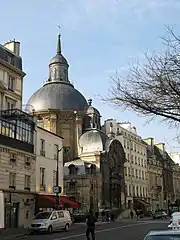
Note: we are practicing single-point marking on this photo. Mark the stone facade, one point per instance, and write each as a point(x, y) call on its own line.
point(176, 182)
point(67, 124)
point(11, 76)
point(47, 146)
point(17, 181)
point(96, 179)
point(155, 177)
point(163, 176)
point(136, 160)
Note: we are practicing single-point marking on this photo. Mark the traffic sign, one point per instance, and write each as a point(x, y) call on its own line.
point(57, 189)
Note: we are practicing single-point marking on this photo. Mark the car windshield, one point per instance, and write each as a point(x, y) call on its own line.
point(43, 215)
point(163, 237)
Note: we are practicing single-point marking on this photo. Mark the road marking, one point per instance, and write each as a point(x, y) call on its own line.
point(103, 230)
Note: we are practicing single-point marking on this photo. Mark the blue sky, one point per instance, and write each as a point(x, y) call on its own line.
point(99, 37)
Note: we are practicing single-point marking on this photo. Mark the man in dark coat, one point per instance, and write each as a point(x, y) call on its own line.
point(91, 221)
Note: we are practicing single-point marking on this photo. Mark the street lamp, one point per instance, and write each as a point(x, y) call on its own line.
point(57, 189)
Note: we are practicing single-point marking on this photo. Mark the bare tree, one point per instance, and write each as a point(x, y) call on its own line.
point(153, 88)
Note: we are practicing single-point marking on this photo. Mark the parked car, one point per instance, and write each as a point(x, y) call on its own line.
point(175, 221)
point(160, 215)
point(163, 235)
point(51, 221)
point(79, 217)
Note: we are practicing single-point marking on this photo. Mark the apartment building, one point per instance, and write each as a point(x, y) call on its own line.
point(11, 76)
point(163, 176)
point(49, 150)
point(17, 168)
point(136, 178)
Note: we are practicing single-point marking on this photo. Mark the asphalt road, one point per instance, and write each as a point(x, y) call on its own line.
point(125, 230)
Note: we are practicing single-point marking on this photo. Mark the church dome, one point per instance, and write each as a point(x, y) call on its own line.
point(93, 140)
point(58, 59)
point(92, 110)
point(58, 93)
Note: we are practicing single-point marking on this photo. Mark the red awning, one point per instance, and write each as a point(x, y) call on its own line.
point(71, 203)
point(49, 201)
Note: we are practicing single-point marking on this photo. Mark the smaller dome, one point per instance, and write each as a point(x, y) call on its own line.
point(91, 109)
point(59, 58)
point(92, 141)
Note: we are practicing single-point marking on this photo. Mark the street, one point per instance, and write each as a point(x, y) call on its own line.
point(126, 230)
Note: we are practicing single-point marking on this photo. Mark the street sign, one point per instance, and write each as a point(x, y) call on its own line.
point(57, 189)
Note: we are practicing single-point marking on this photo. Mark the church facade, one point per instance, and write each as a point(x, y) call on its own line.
point(93, 161)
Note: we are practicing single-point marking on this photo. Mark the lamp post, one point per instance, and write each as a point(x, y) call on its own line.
point(57, 188)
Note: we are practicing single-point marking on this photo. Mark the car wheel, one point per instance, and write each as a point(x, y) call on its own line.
point(66, 228)
point(50, 229)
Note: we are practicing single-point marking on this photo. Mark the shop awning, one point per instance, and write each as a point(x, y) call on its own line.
point(49, 201)
point(141, 201)
point(71, 203)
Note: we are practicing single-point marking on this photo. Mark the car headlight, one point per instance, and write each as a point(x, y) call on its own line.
point(44, 224)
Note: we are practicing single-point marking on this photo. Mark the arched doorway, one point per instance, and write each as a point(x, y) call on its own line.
point(116, 160)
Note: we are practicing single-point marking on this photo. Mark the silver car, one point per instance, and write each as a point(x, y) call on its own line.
point(163, 235)
point(51, 221)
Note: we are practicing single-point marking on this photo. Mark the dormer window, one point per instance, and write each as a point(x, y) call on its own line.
point(93, 169)
point(72, 169)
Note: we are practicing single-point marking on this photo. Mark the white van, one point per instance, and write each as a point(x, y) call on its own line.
point(51, 221)
point(175, 221)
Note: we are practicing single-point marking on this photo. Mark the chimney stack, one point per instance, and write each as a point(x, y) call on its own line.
point(13, 46)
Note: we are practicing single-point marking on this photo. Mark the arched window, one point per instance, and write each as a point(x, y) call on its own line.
point(72, 169)
point(93, 169)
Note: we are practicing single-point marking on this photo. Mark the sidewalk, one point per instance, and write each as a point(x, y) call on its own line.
point(11, 233)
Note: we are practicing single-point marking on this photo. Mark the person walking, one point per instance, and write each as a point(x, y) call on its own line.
point(91, 221)
point(131, 214)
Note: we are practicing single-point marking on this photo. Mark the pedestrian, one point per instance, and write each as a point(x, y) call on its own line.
point(91, 221)
point(131, 214)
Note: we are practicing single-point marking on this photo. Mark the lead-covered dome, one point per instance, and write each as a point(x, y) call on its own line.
point(57, 93)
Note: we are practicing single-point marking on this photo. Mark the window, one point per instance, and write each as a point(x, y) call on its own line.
point(27, 161)
point(54, 215)
point(42, 147)
point(11, 83)
point(12, 180)
point(10, 60)
point(136, 173)
point(13, 157)
point(60, 214)
point(42, 178)
point(10, 105)
point(72, 186)
point(54, 177)
point(125, 171)
point(27, 182)
point(40, 123)
point(56, 148)
point(73, 170)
